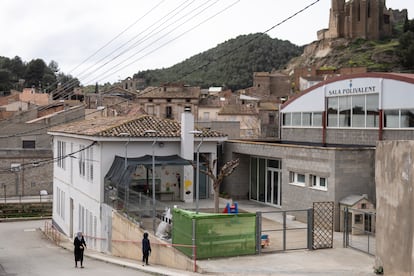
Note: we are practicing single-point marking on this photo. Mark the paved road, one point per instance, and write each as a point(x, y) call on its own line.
point(24, 250)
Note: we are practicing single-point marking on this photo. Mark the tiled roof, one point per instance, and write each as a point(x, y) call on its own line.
point(170, 92)
point(135, 126)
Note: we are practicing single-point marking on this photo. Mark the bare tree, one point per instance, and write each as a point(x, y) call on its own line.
point(226, 170)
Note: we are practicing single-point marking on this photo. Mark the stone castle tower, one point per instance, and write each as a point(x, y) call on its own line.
point(368, 19)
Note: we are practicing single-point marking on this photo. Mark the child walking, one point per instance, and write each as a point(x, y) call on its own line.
point(146, 249)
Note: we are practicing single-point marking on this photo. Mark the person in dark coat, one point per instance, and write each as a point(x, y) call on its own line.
point(146, 249)
point(80, 245)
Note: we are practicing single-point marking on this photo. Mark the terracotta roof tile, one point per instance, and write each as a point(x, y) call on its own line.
point(135, 126)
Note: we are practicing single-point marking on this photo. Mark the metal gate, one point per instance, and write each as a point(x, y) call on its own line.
point(295, 229)
point(323, 224)
point(359, 230)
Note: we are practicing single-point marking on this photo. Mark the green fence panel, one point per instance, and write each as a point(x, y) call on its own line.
point(216, 235)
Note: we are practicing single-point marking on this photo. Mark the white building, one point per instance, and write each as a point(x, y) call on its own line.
point(84, 152)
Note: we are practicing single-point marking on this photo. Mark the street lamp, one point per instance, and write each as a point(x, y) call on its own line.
point(153, 133)
point(198, 166)
point(126, 147)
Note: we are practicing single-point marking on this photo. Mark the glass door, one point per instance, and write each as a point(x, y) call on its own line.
point(273, 187)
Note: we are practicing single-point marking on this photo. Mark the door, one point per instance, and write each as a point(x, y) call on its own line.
point(273, 187)
point(203, 183)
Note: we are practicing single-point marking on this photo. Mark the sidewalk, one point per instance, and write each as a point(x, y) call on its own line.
point(325, 262)
point(134, 264)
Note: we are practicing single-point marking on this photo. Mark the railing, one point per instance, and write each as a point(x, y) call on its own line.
point(285, 232)
point(53, 233)
point(23, 199)
point(360, 235)
point(137, 206)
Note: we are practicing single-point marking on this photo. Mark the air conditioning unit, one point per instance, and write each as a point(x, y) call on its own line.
point(15, 167)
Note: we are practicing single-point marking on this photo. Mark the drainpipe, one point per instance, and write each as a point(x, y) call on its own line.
point(381, 124)
point(324, 128)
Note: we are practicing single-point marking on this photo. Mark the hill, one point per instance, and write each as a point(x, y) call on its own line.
point(394, 54)
point(229, 64)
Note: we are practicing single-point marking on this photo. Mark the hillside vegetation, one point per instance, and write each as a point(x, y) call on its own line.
point(230, 64)
point(394, 54)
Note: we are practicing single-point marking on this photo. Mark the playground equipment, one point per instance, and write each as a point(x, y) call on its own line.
point(231, 209)
point(265, 240)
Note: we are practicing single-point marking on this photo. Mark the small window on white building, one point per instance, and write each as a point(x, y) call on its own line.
point(206, 116)
point(319, 182)
point(297, 178)
point(61, 154)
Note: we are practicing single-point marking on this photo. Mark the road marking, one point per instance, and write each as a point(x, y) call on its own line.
point(30, 230)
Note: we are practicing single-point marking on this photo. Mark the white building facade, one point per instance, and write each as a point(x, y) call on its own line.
point(84, 152)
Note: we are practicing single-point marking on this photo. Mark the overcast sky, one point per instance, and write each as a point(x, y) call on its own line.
point(108, 40)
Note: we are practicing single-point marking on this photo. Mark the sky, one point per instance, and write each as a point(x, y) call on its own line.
point(109, 40)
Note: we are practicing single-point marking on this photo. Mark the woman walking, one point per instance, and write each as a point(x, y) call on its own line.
point(80, 245)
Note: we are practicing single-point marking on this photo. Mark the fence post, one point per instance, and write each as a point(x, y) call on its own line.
point(345, 237)
point(310, 229)
point(259, 233)
point(284, 230)
point(194, 245)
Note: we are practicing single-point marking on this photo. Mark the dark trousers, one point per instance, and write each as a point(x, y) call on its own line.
point(145, 257)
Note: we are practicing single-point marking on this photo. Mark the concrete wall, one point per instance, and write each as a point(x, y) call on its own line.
point(231, 128)
point(34, 175)
point(347, 170)
point(312, 135)
point(395, 197)
point(126, 243)
point(345, 136)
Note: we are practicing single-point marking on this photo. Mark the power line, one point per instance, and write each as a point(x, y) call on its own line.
point(200, 67)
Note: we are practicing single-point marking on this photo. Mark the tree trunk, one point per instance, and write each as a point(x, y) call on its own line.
point(216, 200)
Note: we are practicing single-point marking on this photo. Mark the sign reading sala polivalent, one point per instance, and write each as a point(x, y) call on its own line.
point(347, 88)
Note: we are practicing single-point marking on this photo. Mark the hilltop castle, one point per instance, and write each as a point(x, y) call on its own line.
point(368, 19)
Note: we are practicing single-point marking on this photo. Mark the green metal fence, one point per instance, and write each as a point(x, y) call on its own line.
point(214, 235)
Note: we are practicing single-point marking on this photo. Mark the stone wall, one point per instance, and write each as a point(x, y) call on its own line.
point(34, 175)
point(395, 197)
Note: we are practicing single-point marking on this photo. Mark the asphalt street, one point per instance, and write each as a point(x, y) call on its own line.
point(24, 250)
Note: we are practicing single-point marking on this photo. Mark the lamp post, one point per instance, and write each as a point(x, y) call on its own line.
point(153, 133)
point(125, 166)
point(198, 166)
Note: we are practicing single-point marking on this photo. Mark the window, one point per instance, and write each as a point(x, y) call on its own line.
point(61, 154)
point(306, 119)
point(391, 118)
point(89, 166)
point(333, 112)
point(168, 112)
point(407, 118)
point(317, 119)
point(372, 108)
point(297, 178)
point(82, 165)
point(29, 144)
point(86, 162)
point(271, 119)
point(344, 111)
point(206, 116)
point(318, 182)
point(60, 202)
point(360, 111)
point(400, 118)
point(296, 119)
point(287, 119)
